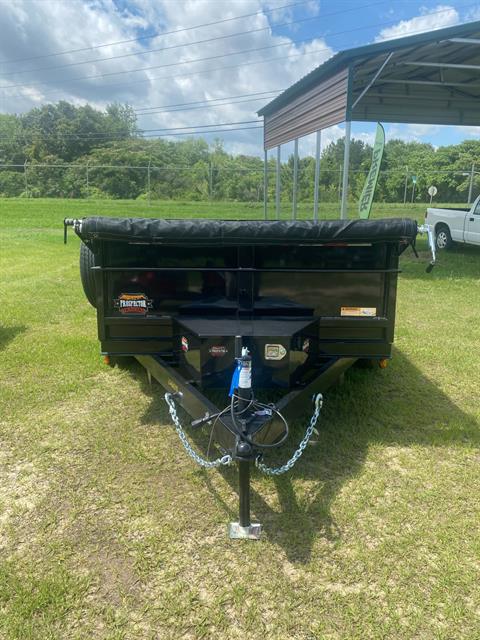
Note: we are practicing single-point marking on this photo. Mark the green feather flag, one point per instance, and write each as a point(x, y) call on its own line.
point(366, 199)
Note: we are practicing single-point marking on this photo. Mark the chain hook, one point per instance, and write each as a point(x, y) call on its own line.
point(203, 462)
point(277, 471)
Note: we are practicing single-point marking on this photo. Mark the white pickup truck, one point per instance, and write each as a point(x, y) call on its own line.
point(455, 225)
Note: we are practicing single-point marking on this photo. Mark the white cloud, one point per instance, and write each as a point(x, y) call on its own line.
point(428, 20)
point(34, 29)
point(470, 132)
point(422, 130)
point(30, 29)
point(473, 14)
point(431, 133)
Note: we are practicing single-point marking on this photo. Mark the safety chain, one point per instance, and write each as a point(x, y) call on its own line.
point(203, 462)
point(277, 471)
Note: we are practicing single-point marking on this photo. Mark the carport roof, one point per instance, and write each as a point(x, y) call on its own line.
point(429, 78)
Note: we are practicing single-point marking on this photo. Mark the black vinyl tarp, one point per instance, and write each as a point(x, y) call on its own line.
point(245, 232)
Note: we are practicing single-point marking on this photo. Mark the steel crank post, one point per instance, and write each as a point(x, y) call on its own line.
point(244, 528)
point(243, 450)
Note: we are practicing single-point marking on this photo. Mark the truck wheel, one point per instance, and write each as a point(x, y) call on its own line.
point(443, 239)
point(87, 261)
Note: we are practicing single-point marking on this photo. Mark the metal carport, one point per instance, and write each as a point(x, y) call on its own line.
point(429, 78)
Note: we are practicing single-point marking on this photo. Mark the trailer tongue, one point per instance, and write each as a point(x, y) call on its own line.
point(244, 305)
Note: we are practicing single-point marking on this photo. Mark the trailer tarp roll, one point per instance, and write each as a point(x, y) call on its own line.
point(245, 232)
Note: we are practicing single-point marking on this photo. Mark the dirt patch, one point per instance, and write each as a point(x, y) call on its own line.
point(22, 488)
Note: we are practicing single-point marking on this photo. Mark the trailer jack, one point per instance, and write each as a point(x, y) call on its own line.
point(244, 528)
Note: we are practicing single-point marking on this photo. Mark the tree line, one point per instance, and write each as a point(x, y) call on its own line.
point(102, 154)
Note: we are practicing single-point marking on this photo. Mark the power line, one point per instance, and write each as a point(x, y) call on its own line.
point(202, 126)
point(184, 104)
point(202, 71)
point(157, 35)
point(173, 64)
point(209, 106)
point(192, 133)
point(210, 70)
point(126, 135)
point(163, 66)
point(188, 44)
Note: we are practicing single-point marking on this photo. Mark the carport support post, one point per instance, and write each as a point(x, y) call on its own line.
point(265, 183)
point(277, 184)
point(346, 162)
point(316, 186)
point(295, 179)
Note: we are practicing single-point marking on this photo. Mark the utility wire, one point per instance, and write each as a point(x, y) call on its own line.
point(101, 136)
point(202, 126)
point(173, 64)
point(188, 44)
point(233, 66)
point(158, 34)
point(209, 106)
point(184, 104)
point(191, 133)
point(168, 134)
point(202, 71)
point(164, 66)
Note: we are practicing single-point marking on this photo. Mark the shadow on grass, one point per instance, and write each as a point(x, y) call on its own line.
point(7, 334)
point(397, 406)
point(461, 261)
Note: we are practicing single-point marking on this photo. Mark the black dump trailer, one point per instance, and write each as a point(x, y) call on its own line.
point(241, 306)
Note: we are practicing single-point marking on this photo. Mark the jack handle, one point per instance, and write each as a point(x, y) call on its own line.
point(426, 228)
point(67, 222)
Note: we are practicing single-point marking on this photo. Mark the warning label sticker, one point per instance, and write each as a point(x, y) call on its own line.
point(369, 312)
point(275, 352)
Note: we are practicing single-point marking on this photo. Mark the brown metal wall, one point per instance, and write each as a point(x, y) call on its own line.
point(318, 108)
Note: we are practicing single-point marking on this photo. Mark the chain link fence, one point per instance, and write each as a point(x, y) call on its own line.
point(207, 181)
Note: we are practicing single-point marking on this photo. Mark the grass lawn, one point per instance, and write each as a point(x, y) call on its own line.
point(45, 212)
point(108, 530)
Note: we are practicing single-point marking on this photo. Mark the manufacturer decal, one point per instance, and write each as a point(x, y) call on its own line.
point(133, 303)
point(369, 312)
point(184, 344)
point(218, 350)
point(275, 352)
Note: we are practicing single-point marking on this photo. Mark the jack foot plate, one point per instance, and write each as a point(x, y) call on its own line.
point(252, 532)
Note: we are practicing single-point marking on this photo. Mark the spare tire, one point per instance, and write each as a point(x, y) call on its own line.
point(87, 261)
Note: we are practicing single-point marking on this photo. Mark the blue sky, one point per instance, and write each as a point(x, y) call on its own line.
point(47, 32)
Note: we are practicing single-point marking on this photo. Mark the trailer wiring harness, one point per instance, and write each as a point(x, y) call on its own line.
point(254, 408)
point(236, 414)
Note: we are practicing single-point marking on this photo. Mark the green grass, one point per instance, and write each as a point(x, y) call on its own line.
point(108, 531)
point(39, 213)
